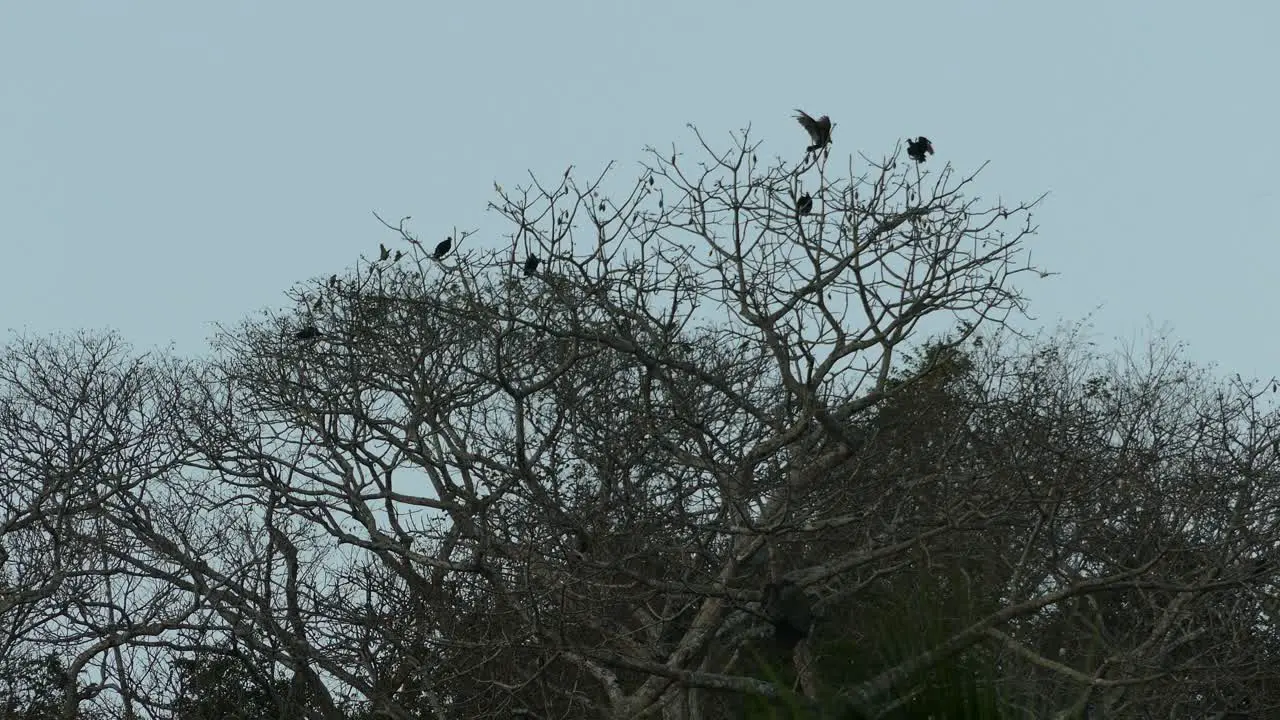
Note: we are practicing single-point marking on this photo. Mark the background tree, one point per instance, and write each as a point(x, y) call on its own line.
point(86, 433)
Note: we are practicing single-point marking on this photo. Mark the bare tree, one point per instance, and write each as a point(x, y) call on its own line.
point(1141, 466)
point(580, 481)
point(84, 429)
point(708, 451)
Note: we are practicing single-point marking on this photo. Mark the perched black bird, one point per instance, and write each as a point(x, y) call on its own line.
point(443, 248)
point(385, 252)
point(917, 148)
point(819, 130)
point(789, 610)
point(804, 205)
point(333, 281)
point(397, 257)
point(531, 265)
point(581, 541)
point(308, 332)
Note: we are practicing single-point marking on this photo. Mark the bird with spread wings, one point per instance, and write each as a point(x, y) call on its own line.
point(917, 148)
point(819, 130)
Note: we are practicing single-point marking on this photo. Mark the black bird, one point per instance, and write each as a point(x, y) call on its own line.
point(531, 265)
point(819, 130)
point(917, 148)
point(333, 281)
point(443, 248)
point(397, 256)
point(308, 332)
point(581, 541)
point(385, 252)
point(788, 609)
point(804, 205)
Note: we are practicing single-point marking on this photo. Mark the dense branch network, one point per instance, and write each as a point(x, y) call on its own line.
point(662, 435)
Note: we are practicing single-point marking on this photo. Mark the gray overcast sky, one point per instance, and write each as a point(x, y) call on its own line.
point(164, 166)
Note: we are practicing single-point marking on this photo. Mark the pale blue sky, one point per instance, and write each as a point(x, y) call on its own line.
point(165, 165)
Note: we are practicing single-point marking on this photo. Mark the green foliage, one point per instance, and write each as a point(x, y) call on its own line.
point(898, 623)
point(214, 687)
point(30, 689)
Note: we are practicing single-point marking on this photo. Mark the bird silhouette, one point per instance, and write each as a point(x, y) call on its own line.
point(917, 148)
point(789, 610)
point(581, 541)
point(819, 130)
point(385, 253)
point(308, 332)
point(333, 281)
point(531, 265)
point(443, 248)
point(397, 257)
point(804, 205)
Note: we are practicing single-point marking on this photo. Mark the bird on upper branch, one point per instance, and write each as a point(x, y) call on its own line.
point(309, 332)
point(819, 130)
point(917, 148)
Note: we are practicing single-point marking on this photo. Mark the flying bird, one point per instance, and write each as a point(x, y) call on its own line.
point(443, 248)
point(308, 332)
point(819, 130)
point(385, 253)
point(804, 205)
point(531, 265)
point(917, 148)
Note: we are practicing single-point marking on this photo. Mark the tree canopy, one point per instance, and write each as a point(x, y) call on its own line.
point(707, 457)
